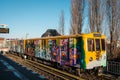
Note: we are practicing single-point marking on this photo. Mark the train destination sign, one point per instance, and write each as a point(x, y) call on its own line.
point(4, 30)
point(97, 35)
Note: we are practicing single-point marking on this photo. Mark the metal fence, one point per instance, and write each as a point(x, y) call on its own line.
point(113, 67)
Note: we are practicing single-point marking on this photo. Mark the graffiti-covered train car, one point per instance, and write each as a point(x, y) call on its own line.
point(82, 51)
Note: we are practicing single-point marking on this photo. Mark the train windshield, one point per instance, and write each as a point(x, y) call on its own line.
point(90, 44)
point(97, 44)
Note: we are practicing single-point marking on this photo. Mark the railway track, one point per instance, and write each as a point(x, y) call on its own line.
point(54, 74)
point(46, 71)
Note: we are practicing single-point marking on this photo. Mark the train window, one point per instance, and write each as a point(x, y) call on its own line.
point(90, 44)
point(103, 44)
point(97, 44)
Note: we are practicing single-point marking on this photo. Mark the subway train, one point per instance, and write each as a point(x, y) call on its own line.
point(78, 53)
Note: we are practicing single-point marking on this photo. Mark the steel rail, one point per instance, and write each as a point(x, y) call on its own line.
point(48, 69)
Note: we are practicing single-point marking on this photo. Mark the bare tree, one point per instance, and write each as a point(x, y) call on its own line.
point(91, 15)
point(96, 14)
point(77, 16)
point(116, 25)
point(113, 18)
point(61, 23)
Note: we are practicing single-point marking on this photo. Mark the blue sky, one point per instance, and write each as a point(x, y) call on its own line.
point(33, 17)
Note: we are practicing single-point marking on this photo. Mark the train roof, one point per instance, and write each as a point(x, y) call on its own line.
point(94, 34)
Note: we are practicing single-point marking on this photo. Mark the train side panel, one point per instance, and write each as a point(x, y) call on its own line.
point(86, 51)
point(42, 49)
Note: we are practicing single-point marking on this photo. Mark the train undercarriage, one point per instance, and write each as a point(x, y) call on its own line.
point(73, 70)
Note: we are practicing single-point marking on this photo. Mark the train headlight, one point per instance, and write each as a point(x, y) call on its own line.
point(90, 59)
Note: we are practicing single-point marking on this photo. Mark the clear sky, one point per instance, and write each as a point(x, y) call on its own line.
point(33, 17)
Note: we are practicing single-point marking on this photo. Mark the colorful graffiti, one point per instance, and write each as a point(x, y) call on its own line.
point(71, 51)
point(20, 46)
point(37, 48)
point(64, 51)
point(30, 48)
point(74, 51)
point(54, 50)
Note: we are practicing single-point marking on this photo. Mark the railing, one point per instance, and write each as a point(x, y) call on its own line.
point(113, 67)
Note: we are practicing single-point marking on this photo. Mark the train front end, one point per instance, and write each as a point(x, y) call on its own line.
point(95, 52)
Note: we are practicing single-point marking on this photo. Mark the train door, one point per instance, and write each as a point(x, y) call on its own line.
point(20, 46)
point(75, 51)
point(64, 53)
point(43, 49)
point(91, 48)
point(27, 47)
point(97, 48)
point(72, 51)
point(37, 48)
point(48, 49)
point(90, 54)
point(30, 48)
point(54, 50)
